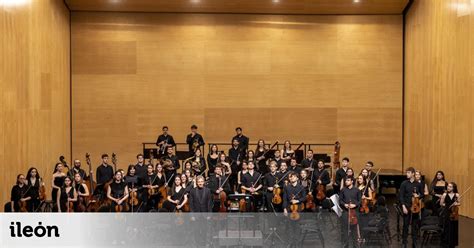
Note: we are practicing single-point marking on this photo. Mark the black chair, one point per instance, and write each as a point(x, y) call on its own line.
point(431, 227)
point(377, 229)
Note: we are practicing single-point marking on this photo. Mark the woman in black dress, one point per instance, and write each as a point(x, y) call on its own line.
point(82, 191)
point(437, 189)
point(117, 192)
point(57, 181)
point(177, 197)
point(33, 179)
point(250, 157)
point(198, 163)
point(450, 201)
point(287, 153)
point(212, 159)
point(260, 158)
point(66, 194)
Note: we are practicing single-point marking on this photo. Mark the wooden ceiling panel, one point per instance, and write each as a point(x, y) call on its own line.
point(244, 6)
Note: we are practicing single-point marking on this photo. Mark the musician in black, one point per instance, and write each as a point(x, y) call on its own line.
point(171, 170)
point(133, 182)
point(408, 189)
point(236, 157)
point(218, 182)
point(140, 167)
point(164, 141)
point(261, 156)
point(308, 162)
point(66, 195)
point(270, 183)
point(278, 159)
point(77, 169)
point(104, 174)
point(294, 166)
point(349, 201)
point(251, 183)
point(194, 140)
point(177, 196)
point(82, 191)
point(283, 174)
point(34, 180)
point(320, 176)
point(200, 198)
point(212, 159)
point(341, 174)
point(152, 182)
point(372, 177)
point(450, 200)
point(293, 193)
point(117, 192)
point(19, 193)
point(243, 140)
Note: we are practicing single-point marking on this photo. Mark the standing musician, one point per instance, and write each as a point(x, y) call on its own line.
point(260, 157)
point(133, 182)
point(82, 191)
point(77, 169)
point(226, 167)
point(287, 153)
point(57, 180)
point(437, 188)
point(251, 183)
point(198, 162)
point(270, 184)
point(308, 162)
point(188, 181)
point(320, 176)
point(250, 156)
point(284, 175)
point(34, 180)
point(164, 141)
point(419, 178)
point(293, 193)
point(194, 140)
point(66, 195)
point(450, 201)
point(177, 196)
point(243, 140)
point(366, 193)
point(372, 176)
point(151, 183)
point(277, 158)
point(104, 174)
point(212, 159)
point(294, 166)
point(200, 198)
point(20, 195)
point(305, 180)
point(340, 175)
point(410, 189)
point(349, 201)
point(218, 183)
point(240, 175)
point(170, 169)
point(117, 192)
point(140, 167)
point(236, 156)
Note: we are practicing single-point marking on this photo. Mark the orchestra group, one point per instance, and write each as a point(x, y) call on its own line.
point(242, 179)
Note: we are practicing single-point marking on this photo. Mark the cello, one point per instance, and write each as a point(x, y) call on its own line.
point(223, 198)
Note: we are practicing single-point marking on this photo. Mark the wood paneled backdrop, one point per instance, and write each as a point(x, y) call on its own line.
point(304, 78)
point(439, 91)
point(34, 89)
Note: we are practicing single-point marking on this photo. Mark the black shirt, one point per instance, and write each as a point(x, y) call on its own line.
point(190, 141)
point(117, 190)
point(406, 191)
point(168, 139)
point(215, 182)
point(19, 192)
point(141, 170)
point(297, 169)
point(75, 170)
point(235, 154)
point(291, 192)
point(308, 163)
point(243, 142)
point(269, 180)
point(323, 174)
point(249, 180)
point(340, 174)
point(352, 195)
point(154, 179)
point(104, 174)
point(174, 159)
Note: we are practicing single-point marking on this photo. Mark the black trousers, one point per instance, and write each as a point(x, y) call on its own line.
point(413, 220)
point(349, 233)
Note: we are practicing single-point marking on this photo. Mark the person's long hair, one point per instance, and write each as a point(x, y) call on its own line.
point(28, 175)
point(435, 179)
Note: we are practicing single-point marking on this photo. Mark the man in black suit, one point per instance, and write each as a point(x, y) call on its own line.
point(200, 198)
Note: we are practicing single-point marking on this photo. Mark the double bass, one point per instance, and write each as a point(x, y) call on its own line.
point(336, 163)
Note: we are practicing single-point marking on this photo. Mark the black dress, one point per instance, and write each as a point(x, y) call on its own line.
point(212, 163)
point(261, 164)
point(175, 195)
point(34, 193)
point(63, 198)
point(439, 190)
point(451, 226)
point(58, 181)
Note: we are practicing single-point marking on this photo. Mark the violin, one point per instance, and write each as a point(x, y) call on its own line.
point(81, 207)
point(364, 206)
point(309, 201)
point(353, 217)
point(415, 203)
point(295, 208)
point(70, 207)
point(276, 195)
point(23, 206)
point(320, 195)
point(42, 192)
point(133, 198)
point(454, 215)
point(163, 191)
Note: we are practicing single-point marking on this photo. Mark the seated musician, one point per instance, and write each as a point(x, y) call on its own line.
point(293, 193)
point(177, 196)
point(349, 201)
point(82, 191)
point(320, 177)
point(117, 192)
point(270, 183)
point(251, 184)
point(19, 193)
point(218, 182)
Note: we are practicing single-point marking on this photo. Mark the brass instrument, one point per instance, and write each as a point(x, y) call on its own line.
point(195, 144)
point(167, 164)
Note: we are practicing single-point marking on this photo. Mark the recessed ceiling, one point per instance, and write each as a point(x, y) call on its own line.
point(244, 6)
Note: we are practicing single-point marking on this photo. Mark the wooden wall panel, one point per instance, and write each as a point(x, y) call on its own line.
point(34, 89)
point(439, 91)
point(303, 78)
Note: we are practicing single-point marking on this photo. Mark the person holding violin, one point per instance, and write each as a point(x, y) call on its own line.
point(177, 196)
point(118, 192)
point(283, 174)
point(82, 191)
point(251, 183)
point(187, 180)
point(308, 162)
point(219, 183)
point(349, 201)
point(410, 196)
point(33, 179)
point(77, 169)
point(171, 171)
point(104, 174)
point(151, 184)
point(373, 178)
point(240, 175)
point(20, 195)
point(293, 193)
point(133, 181)
point(320, 179)
point(270, 187)
point(450, 201)
point(340, 175)
point(67, 197)
point(366, 194)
